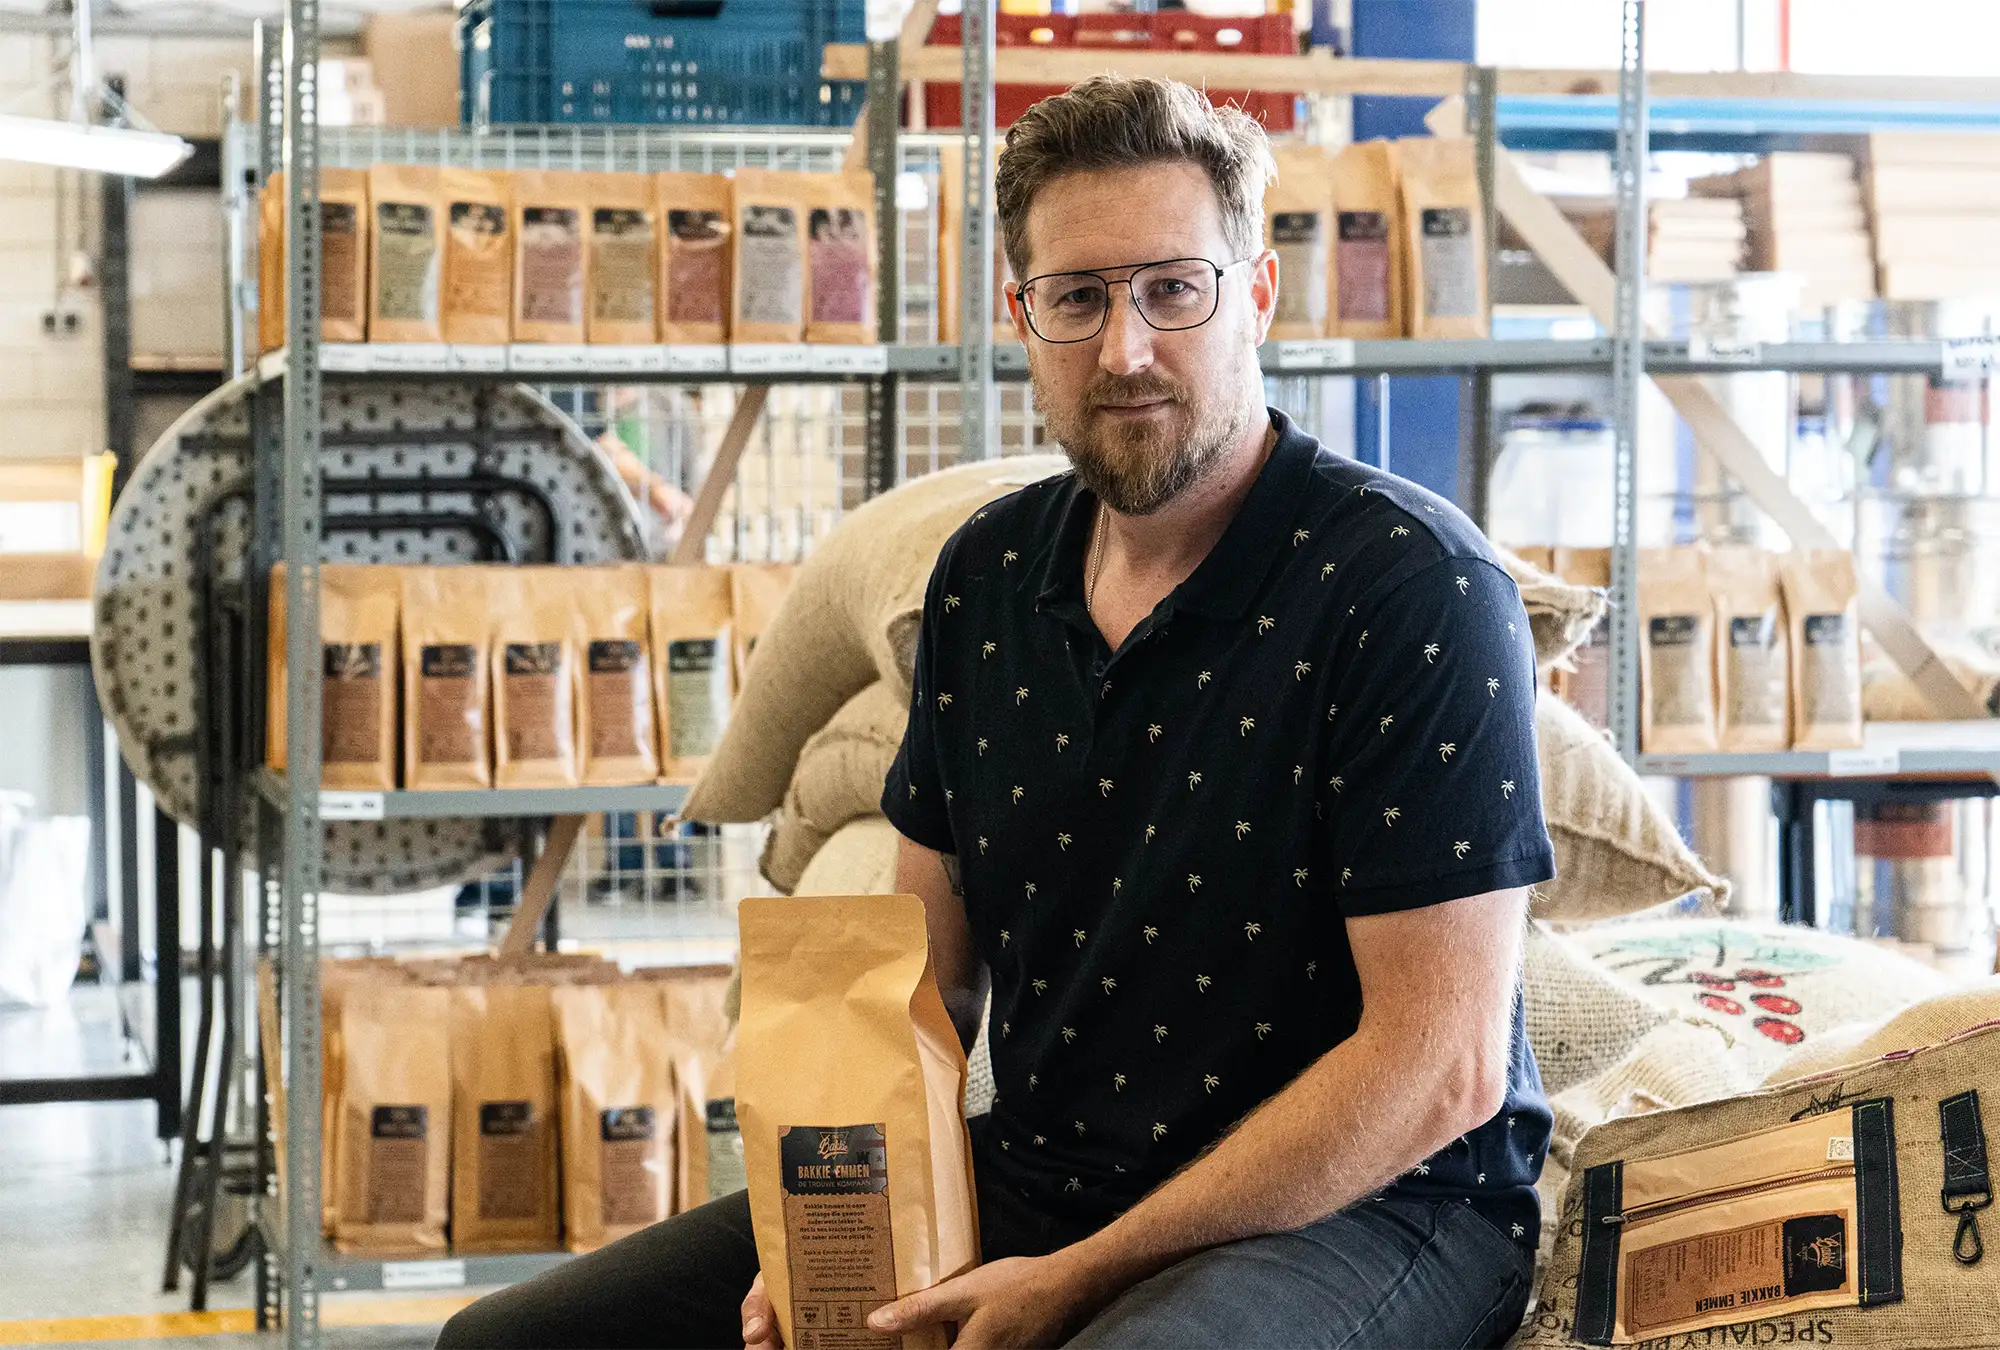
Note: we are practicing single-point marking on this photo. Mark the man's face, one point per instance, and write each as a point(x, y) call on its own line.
point(1144, 414)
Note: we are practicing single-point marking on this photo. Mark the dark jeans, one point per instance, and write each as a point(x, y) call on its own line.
point(1398, 1274)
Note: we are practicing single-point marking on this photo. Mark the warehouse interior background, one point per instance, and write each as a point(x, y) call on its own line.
point(129, 324)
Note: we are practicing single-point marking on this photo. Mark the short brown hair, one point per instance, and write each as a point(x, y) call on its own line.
point(1112, 122)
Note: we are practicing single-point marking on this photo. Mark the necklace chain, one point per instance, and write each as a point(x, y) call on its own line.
point(1096, 561)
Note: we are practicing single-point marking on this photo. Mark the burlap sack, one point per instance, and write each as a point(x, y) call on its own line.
point(830, 639)
point(1560, 615)
point(839, 778)
point(1616, 851)
point(1580, 1020)
point(1934, 1302)
point(860, 859)
point(1770, 988)
point(1926, 1023)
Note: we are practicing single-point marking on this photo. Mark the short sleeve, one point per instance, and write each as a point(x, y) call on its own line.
point(913, 796)
point(1429, 785)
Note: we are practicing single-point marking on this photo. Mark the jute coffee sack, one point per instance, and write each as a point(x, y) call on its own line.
point(392, 1149)
point(478, 256)
point(850, 1092)
point(839, 778)
point(358, 608)
point(1298, 226)
point(1752, 652)
point(1616, 850)
point(833, 636)
point(1826, 649)
point(1840, 1209)
point(550, 252)
point(694, 257)
point(692, 664)
point(1444, 225)
point(624, 259)
point(860, 859)
point(1561, 615)
point(405, 254)
point(343, 251)
point(504, 1192)
point(1676, 652)
point(618, 1111)
point(535, 676)
point(1368, 248)
point(1580, 1020)
point(446, 739)
point(840, 258)
point(617, 741)
point(769, 296)
point(1929, 1020)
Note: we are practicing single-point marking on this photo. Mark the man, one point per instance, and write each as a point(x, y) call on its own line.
point(1220, 775)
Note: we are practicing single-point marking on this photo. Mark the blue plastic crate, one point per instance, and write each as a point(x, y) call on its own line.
point(656, 62)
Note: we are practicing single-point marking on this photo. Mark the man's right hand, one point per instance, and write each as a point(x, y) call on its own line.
point(760, 1321)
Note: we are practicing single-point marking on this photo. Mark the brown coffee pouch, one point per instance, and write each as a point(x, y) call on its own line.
point(840, 257)
point(336, 978)
point(1445, 238)
point(535, 677)
point(393, 1164)
point(1367, 272)
point(769, 210)
point(692, 664)
point(1676, 653)
point(1825, 620)
point(694, 257)
point(617, 739)
point(504, 1194)
point(446, 741)
point(618, 1111)
point(697, 1037)
point(1752, 651)
point(478, 302)
point(358, 620)
point(624, 259)
point(551, 221)
point(951, 248)
point(1586, 686)
point(343, 246)
point(1298, 227)
point(861, 1188)
point(406, 254)
point(756, 592)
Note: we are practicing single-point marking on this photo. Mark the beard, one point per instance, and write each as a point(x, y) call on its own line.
point(1138, 467)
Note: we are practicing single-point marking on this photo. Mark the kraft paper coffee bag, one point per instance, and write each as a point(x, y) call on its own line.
point(1676, 652)
point(697, 1040)
point(840, 257)
point(504, 1190)
point(769, 209)
point(478, 257)
point(1367, 271)
point(1825, 622)
point(358, 609)
point(619, 1111)
point(446, 739)
point(1446, 238)
point(551, 210)
point(624, 259)
point(756, 591)
point(406, 254)
point(343, 246)
point(393, 1149)
point(850, 1091)
point(617, 740)
point(1752, 651)
point(692, 664)
point(694, 257)
point(535, 677)
point(1298, 224)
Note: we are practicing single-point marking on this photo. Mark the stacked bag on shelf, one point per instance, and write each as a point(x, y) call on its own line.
point(493, 676)
point(557, 1103)
point(418, 254)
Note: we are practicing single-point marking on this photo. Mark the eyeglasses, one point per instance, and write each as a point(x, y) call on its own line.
point(1176, 294)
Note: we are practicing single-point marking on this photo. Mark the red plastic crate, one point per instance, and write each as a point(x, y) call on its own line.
point(942, 101)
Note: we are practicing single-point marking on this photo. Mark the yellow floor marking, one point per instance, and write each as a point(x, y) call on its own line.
point(139, 1326)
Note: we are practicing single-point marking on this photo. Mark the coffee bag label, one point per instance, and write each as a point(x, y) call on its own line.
point(726, 1174)
point(838, 1241)
point(448, 713)
point(406, 257)
point(1297, 237)
point(634, 1166)
point(340, 261)
point(1361, 266)
point(1451, 273)
point(622, 285)
point(1738, 1275)
point(1828, 690)
point(620, 698)
point(398, 1163)
point(696, 696)
point(1674, 630)
point(551, 265)
point(697, 267)
point(534, 729)
point(480, 278)
point(510, 1162)
point(772, 266)
point(351, 702)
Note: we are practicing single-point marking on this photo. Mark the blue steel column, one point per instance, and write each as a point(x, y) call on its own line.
point(1423, 411)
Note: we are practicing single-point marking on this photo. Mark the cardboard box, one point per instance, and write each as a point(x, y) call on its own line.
point(46, 576)
point(416, 66)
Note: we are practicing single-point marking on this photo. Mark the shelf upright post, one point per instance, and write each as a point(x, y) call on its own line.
point(300, 540)
point(975, 333)
point(1628, 364)
point(1476, 452)
point(882, 457)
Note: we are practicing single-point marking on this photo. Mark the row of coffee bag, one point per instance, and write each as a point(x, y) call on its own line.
point(486, 676)
point(1745, 650)
point(560, 1103)
point(414, 254)
point(1382, 239)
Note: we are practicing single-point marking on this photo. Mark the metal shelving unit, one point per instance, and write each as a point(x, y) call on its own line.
point(500, 802)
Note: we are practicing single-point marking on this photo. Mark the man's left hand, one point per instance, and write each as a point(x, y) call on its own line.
point(1020, 1301)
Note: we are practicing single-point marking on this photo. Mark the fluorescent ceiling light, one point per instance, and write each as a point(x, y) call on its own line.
point(71, 145)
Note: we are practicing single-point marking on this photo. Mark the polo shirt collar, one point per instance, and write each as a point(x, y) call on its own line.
point(1223, 586)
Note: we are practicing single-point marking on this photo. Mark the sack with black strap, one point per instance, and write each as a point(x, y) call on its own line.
point(1840, 1209)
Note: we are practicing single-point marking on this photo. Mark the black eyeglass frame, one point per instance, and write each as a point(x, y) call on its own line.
point(1132, 270)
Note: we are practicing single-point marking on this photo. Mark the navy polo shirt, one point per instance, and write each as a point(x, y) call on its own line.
point(1160, 846)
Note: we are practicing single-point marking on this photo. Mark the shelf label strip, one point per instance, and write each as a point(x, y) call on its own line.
point(423, 1274)
point(1871, 763)
point(350, 806)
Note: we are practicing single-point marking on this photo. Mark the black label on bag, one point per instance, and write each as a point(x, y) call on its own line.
point(721, 1112)
point(1295, 227)
point(619, 221)
point(1757, 632)
point(1674, 630)
point(1447, 222)
point(478, 218)
point(506, 1118)
point(1825, 630)
point(613, 656)
point(336, 218)
point(353, 660)
point(834, 1160)
point(624, 1123)
point(399, 1122)
point(533, 658)
point(403, 218)
point(1363, 226)
point(691, 656)
point(448, 661)
point(1815, 1254)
